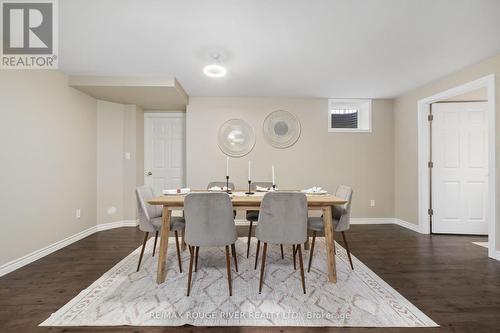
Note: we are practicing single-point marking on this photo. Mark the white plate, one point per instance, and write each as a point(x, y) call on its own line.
point(175, 192)
point(322, 192)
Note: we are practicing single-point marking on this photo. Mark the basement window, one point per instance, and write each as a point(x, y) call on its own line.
point(349, 115)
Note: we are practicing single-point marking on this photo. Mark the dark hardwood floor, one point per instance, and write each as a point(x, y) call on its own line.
point(447, 277)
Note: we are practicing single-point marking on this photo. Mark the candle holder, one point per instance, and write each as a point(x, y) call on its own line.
point(249, 188)
point(228, 191)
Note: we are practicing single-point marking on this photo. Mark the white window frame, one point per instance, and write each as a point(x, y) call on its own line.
point(364, 107)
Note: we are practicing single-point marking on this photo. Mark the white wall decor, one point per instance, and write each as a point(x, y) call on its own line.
point(281, 129)
point(236, 138)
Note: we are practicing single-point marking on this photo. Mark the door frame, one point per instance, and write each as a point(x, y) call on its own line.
point(423, 106)
point(165, 114)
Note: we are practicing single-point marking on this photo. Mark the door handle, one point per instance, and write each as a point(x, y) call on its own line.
point(149, 173)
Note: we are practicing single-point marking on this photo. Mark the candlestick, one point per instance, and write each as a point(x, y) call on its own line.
point(227, 166)
point(249, 168)
point(249, 188)
point(272, 169)
point(228, 191)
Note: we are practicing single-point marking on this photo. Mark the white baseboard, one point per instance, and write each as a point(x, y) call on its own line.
point(35, 255)
point(371, 220)
point(117, 224)
point(497, 255)
point(363, 220)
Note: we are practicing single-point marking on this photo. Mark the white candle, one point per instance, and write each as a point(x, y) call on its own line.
point(272, 168)
point(227, 166)
point(249, 168)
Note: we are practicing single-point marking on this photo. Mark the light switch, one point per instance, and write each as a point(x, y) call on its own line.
point(78, 213)
point(372, 203)
point(127, 156)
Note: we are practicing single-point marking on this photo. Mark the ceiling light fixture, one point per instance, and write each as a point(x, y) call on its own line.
point(215, 69)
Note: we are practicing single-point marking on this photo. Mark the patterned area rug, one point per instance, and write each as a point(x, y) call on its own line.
point(123, 296)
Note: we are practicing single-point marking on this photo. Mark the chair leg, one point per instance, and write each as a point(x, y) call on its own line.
point(257, 254)
point(249, 238)
point(262, 267)
point(301, 263)
point(294, 262)
point(197, 250)
point(228, 266)
point(190, 274)
point(347, 249)
point(142, 250)
point(233, 250)
point(282, 254)
point(178, 250)
point(154, 246)
point(183, 239)
point(311, 252)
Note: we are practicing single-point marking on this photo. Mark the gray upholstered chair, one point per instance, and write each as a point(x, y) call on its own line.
point(209, 222)
point(282, 220)
point(341, 215)
point(221, 184)
point(253, 215)
point(150, 220)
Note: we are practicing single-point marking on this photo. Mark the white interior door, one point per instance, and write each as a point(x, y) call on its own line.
point(460, 171)
point(164, 150)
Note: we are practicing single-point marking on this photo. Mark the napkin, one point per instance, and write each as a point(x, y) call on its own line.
point(218, 188)
point(314, 189)
point(177, 191)
point(263, 189)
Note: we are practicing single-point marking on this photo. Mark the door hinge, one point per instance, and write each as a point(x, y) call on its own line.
point(430, 165)
point(430, 211)
point(430, 117)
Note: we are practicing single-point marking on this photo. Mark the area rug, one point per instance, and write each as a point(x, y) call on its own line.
point(482, 244)
point(123, 296)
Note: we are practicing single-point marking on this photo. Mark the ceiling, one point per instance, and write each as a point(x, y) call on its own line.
point(159, 93)
point(320, 48)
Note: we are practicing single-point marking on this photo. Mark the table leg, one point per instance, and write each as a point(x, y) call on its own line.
point(329, 240)
point(162, 257)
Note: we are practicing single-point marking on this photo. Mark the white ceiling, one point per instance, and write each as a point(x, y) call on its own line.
point(319, 48)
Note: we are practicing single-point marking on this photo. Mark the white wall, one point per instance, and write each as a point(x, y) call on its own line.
point(406, 147)
point(48, 161)
point(119, 131)
point(362, 160)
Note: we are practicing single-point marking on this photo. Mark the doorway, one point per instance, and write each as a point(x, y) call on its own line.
point(454, 216)
point(164, 150)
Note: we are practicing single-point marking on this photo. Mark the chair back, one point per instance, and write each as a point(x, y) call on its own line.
point(254, 185)
point(221, 185)
point(146, 211)
point(342, 213)
point(209, 219)
point(283, 218)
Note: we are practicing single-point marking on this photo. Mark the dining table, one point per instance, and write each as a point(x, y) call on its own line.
point(243, 201)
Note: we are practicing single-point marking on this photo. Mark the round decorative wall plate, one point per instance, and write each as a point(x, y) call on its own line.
point(281, 129)
point(236, 138)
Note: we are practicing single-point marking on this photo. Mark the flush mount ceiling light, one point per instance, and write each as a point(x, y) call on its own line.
point(215, 69)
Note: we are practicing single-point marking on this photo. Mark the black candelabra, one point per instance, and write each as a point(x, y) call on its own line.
point(227, 185)
point(249, 188)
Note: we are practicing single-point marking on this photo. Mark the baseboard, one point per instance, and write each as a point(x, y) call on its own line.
point(497, 255)
point(117, 224)
point(408, 225)
point(35, 255)
point(372, 220)
point(364, 220)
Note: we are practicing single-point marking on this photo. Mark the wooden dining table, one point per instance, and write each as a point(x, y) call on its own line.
point(241, 201)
